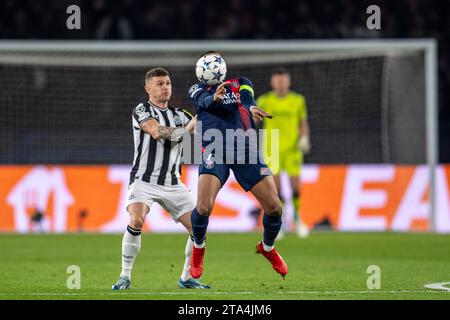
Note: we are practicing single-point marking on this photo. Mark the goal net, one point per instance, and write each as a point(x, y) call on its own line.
point(72, 104)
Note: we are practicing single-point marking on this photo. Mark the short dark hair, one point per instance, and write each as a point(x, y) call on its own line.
point(210, 52)
point(280, 70)
point(156, 72)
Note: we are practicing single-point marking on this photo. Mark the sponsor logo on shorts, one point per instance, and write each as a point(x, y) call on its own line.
point(209, 163)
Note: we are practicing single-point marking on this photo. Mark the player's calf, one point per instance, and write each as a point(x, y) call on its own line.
point(137, 223)
point(131, 243)
point(272, 225)
point(137, 212)
point(199, 226)
point(209, 186)
point(272, 220)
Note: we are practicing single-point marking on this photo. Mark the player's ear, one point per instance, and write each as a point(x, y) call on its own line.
point(288, 79)
point(147, 87)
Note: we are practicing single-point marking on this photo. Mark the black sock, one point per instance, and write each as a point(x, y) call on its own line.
point(199, 226)
point(272, 225)
point(133, 231)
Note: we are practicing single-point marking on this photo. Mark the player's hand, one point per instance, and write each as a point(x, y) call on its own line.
point(220, 92)
point(191, 124)
point(304, 145)
point(258, 114)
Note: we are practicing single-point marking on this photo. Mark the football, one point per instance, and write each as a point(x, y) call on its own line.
point(211, 69)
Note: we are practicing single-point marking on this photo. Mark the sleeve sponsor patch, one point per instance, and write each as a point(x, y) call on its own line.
point(140, 109)
point(193, 88)
point(143, 115)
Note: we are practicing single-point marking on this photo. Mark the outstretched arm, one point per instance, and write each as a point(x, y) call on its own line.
point(202, 99)
point(190, 126)
point(248, 100)
point(258, 114)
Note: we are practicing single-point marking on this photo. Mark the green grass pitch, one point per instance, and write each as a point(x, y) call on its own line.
point(323, 266)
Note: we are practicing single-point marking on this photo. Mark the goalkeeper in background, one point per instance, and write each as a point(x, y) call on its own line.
point(290, 118)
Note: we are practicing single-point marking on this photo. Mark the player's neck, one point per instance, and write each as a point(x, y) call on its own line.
point(161, 105)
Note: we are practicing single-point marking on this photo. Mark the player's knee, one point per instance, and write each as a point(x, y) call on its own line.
point(204, 208)
point(274, 207)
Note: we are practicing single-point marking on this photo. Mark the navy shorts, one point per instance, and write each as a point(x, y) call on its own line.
point(247, 175)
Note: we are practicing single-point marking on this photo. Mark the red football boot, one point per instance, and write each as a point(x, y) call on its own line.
point(196, 268)
point(275, 259)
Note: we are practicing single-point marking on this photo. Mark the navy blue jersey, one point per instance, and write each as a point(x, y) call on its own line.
point(233, 112)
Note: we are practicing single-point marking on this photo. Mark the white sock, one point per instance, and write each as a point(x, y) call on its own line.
point(267, 248)
point(200, 246)
point(185, 275)
point(131, 244)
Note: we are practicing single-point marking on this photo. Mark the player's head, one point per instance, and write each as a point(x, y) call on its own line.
point(280, 81)
point(158, 84)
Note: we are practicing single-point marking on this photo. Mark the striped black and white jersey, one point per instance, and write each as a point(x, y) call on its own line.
point(157, 161)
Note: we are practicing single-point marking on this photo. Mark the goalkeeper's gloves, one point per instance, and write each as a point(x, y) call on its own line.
point(304, 145)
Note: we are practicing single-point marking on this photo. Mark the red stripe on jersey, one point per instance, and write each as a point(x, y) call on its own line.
point(245, 117)
point(243, 112)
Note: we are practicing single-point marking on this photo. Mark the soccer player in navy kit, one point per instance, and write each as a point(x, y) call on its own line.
point(231, 105)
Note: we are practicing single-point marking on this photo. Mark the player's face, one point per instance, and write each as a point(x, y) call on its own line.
point(280, 84)
point(160, 88)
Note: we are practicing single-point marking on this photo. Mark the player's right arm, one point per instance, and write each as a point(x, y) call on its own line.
point(153, 128)
point(202, 99)
point(148, 122)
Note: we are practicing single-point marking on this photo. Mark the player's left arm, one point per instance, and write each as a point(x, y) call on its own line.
point(248, 100)
point(304, 130)
point(190, 121)
point(153, 128)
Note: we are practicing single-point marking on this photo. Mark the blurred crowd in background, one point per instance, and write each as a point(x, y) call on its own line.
point(234, 19)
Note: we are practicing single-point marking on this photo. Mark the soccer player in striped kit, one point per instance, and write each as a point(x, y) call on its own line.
point(155, 177)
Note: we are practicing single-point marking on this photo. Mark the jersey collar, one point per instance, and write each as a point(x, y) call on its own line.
point(155, 106)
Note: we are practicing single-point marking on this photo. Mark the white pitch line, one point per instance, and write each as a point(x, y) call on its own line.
point(361, 292)
point(196, 292)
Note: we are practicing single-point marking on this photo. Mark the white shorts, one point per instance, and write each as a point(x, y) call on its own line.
point(176, 200)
